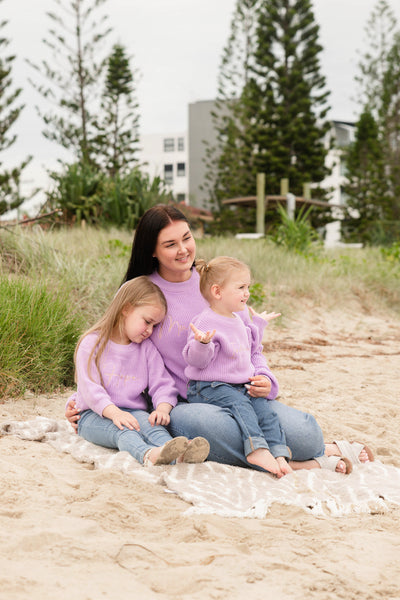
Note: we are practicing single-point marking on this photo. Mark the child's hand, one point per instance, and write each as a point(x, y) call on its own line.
point(72, 414)
point(264, 315)
point(259, 387)
point(159, 417)
point(121, 418)
point(200, 336)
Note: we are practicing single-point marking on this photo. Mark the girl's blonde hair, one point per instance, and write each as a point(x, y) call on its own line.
point(218, 271)
point(135, 292)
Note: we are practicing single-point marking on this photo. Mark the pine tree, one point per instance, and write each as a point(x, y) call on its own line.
point(378, 204)
point(10, 196)
point(288, 96)
point(390, 119)
point(117, 139)
point(72, 75)
point(366, 190)
point(276, 121)
point(379, 31)
point(227, 161)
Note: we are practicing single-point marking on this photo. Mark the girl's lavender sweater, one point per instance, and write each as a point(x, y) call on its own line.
point(228, 357)
point(126, 371)
point(170, 336)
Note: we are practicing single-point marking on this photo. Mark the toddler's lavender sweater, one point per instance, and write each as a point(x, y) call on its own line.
point(126, 371)
point(170, 336)
point(232, 356)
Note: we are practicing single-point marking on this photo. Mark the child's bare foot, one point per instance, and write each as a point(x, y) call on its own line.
point(263, 458)
point(284, 465)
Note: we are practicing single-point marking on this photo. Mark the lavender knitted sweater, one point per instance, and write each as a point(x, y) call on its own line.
point(170, 337)
point(126, 371)
point(233, 354)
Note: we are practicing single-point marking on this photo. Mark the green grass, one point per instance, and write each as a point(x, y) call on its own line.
point(328, 277)
point(37, 337)
point(54, 284)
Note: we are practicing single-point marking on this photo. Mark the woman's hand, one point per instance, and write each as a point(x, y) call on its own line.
point(121, 418)
point(259, 387)
point(264, 315)
point(72, 414)
point(201, 336)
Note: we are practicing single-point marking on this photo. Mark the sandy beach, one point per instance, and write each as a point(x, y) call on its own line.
point(72, 531)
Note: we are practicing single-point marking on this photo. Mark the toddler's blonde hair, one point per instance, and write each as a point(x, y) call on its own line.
point(217, 271)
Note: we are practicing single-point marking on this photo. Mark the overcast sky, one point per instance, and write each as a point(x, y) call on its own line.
point(177, 46)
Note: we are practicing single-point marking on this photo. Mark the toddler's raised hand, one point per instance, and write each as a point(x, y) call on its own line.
point(201, 336)
point(264, 315)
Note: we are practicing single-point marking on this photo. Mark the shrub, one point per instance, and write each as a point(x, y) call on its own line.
point(37, 338)
point(296, 234)
point(83, 192)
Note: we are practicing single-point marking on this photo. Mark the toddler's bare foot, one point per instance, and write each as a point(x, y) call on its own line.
point(263, 458)
point(284, 465)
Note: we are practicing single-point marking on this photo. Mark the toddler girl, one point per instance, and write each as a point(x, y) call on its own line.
point(223, 357)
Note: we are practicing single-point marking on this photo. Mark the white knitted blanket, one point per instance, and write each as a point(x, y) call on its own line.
point(232, 491)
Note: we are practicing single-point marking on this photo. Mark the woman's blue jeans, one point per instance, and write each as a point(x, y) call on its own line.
point(303, 434)
point(258, 423)
point(103, 432)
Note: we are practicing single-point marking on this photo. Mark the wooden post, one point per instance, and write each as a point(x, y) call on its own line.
point(307, 191)
point(284, 187)
point(260, 224)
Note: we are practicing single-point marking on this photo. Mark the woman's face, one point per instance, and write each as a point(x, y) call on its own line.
point(175, 251)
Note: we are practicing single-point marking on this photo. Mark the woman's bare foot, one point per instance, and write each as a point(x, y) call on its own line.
point(284, 465)
point(263, 458)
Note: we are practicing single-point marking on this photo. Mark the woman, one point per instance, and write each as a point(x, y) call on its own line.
point(164, 249)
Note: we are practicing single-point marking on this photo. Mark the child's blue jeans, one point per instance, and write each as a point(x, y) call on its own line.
point(259, 424)
point(103, 432)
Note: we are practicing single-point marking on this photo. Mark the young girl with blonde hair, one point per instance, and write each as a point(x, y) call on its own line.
point(115, 362)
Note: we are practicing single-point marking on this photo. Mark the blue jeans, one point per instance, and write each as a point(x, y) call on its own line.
point(303, 434)
point(103, 432)
point(258, 423)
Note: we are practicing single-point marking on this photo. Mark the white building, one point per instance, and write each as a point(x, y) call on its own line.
point(178, 158)
point(342, 134)
point(165, 155)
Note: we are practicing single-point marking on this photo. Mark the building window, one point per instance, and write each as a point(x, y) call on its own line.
point(180, 197)
point(181, 144)
point(181, 170)
point(169, 144)
point(169, 174)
